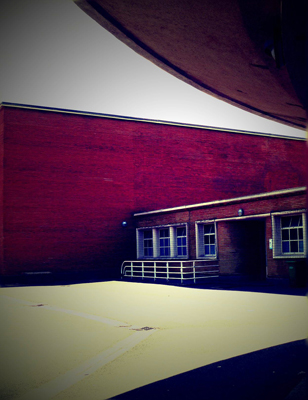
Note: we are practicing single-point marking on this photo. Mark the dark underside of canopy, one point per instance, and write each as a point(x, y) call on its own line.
point(248, 53)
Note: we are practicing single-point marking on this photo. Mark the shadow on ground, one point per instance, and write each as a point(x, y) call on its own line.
point(269, 374)
point(237, 283)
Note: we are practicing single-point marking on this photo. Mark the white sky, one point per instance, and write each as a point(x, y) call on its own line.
point(54, 55)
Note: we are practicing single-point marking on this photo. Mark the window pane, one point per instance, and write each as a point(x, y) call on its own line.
point(207, 249)
point(181, 231)
point(164, 233)
point(181, 242)
point(294, 247)
point(301, 246)
point(285, 234)
point(285, 247)
point(209, 228)
point(293, 234)
point(147, 234)
point(164, 242)
point(212, 239)
point(300, 233)
point(206, 239)
point(285, 222)
point(295, 221)
point(212, 249)
point(184, 251)
point(148, 252)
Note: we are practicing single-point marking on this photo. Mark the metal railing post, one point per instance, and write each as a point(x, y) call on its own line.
point(167, 270)
point(194, 270)
point(181, 271)
point(154, 270)
point(142, 270)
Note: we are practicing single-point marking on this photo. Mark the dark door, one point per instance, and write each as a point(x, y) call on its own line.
point(252, 248)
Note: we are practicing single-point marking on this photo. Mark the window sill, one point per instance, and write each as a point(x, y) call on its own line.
point(290, 256)
point(207, 258)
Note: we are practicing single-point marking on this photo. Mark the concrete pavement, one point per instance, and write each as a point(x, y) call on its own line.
point(100, 340)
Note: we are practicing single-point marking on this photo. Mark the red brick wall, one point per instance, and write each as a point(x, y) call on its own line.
point(199, 165)
point(70, 180)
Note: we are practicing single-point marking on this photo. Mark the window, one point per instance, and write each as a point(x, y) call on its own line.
point(289, 235)
point(181, 241)
point(209, 239)
point(162, 242)
point(148, 243)
point(292, 235)
point(206, 239)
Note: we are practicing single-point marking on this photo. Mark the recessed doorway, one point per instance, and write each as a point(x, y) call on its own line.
point(245, 253)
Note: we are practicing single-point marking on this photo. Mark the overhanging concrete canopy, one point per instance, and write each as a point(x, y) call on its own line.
point(250, 54)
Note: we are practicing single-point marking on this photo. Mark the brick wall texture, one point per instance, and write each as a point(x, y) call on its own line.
point(69, 180)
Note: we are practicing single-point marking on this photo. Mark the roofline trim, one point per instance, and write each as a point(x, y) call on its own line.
point(226, 201)
point(145, 120)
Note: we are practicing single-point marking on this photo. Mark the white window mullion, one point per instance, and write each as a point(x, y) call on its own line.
point(199, 240)
point(305, 233)
point(139, 244)
point(173, 250)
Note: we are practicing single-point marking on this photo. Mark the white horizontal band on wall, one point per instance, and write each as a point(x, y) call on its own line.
point(298, 190)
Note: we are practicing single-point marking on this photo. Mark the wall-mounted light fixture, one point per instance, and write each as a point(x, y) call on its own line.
point(240, 212)
point(124, 224)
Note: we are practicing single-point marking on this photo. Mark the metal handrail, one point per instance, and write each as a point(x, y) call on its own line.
point(170, 269)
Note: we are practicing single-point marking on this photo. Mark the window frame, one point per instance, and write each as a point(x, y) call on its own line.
point(173, 247)
point(164, 245)
point(277, 234)
point(148, 240)
point(200, 245)
point(181, 246)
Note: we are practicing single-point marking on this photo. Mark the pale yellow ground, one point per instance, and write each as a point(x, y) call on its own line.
point(47, 331)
